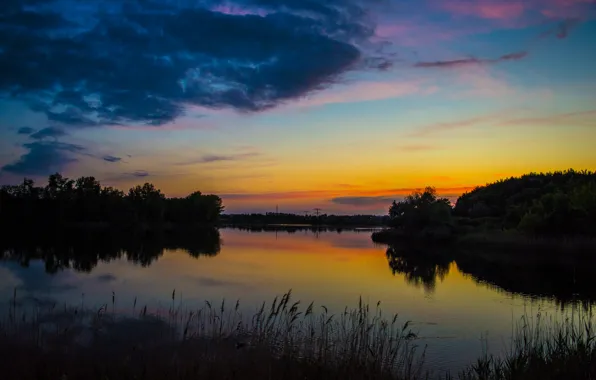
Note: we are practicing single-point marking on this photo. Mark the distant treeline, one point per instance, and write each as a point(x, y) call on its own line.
point(86, 201)
point(543, 204)
point(272, 218)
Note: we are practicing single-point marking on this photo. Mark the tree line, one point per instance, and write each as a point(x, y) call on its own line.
point(557, 203)
point(85, 200)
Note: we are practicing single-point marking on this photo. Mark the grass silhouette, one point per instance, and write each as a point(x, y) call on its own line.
point(281, 340)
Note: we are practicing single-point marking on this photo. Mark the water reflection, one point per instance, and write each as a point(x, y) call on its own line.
point(454, 297)
point(545, 276)
point(83, 250)
point(563, 280)
point(419, 267)
point(316, 231)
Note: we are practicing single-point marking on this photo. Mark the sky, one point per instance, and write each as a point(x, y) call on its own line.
point(343, 105)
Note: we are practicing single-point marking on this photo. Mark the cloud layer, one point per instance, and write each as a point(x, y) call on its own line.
point(44, 157)
point(211, 158)
point(473, 61)
point(109, 158)
point(117, 62)
point(48, 132)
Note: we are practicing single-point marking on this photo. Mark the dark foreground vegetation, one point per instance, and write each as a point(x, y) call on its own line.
point(534, 209)
point(542, 349)
point(282, 340)
point(85, 201)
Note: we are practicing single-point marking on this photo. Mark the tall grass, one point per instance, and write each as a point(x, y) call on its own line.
point(281, 339)
point(543, 349)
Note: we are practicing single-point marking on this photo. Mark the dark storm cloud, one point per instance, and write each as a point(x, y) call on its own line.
point(473, 61)
point(144, 61)
point(72, 116)
point(25, 131)
point(111, 158)
point(44, 158)
point(53, 132)
point(32, 20)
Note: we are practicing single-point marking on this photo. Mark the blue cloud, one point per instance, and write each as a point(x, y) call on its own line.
point(53, 132)
point(44, 158)
point(144, 61)
point(25, 131)
point(111, 158)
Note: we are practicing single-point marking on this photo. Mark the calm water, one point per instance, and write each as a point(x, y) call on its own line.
point(451, 306)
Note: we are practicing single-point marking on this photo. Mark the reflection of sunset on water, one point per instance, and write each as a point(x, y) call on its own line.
point(328, 268)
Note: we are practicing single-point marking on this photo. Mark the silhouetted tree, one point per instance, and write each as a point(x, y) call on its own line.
point(66, 201)
point(422, 214)
point(147, 202)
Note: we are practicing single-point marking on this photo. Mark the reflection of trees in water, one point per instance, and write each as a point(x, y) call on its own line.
point(565, 282)
point(420, 266)
point(82, 250)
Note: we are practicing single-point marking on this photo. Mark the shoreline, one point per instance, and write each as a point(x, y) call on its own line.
point(497, 240)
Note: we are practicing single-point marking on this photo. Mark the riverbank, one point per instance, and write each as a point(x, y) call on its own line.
point(297, 227)
point(282, 339)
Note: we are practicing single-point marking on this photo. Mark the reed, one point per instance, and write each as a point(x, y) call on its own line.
point(542, 349)
point(282, 339)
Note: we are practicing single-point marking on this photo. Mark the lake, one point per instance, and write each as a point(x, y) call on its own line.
point(457, 305)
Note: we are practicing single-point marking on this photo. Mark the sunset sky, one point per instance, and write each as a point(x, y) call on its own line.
point(339, 104)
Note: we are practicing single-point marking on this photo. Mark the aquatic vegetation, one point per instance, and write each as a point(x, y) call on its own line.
point(543, 349)
point(282, 339)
